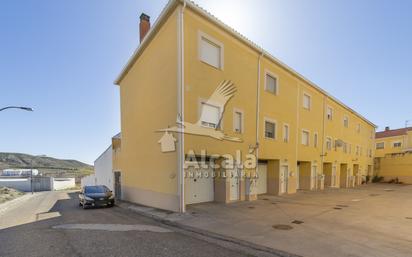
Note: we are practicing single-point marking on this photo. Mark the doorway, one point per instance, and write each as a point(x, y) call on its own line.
point(117, 185)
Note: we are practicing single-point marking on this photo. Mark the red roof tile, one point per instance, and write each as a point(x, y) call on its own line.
point(392, 132)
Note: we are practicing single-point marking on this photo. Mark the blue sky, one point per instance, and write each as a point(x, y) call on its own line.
point(61, 57)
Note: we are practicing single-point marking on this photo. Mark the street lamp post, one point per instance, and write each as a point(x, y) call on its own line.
point(17, 107)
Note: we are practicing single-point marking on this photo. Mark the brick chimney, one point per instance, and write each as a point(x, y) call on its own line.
point(144, 26)
point(387, 128)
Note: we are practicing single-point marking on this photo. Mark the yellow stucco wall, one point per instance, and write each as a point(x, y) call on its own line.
point(149, 102)
point(406, 141)
point(241, 66)
point(396, 166)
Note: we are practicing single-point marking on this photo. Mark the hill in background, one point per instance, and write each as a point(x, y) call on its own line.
point(47, 166)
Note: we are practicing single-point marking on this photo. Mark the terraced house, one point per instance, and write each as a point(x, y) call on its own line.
point(302, 137)
point(393, 155)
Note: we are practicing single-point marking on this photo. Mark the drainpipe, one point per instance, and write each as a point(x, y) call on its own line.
point(323, 137)
point(180, 104)
point(257, 113)
point(297, 134)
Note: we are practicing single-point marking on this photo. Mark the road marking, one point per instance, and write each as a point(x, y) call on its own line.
point(114, 227)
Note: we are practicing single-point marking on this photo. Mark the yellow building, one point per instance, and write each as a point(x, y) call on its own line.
point(301, 136)
point(393, 155)
point(392, 141)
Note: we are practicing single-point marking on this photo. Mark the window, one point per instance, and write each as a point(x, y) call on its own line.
point(238, 121)
point(358, 128)
point(305, 137)
point(210, 116)
point(345, 147)
point(370, 153)
point(210, 51)
point(329, 143)
point(270, 129)
point(271, 83)
point(357, 150)
point(306, 101)
point(346, 121)
point(397, 144)
point(329, 113)
point(350, 148)
point(380, 145)
point(285, 133)
point(315, 139)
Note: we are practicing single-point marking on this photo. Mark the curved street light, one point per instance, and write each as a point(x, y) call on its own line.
point(17, 107)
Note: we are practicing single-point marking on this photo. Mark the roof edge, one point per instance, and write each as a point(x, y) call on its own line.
point(172, 3)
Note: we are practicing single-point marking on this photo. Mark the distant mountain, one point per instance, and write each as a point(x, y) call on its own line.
point(46, 165)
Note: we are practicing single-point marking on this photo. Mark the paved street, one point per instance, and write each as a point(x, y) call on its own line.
point(28, 228)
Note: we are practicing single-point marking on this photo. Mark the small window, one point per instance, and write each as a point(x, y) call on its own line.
point(329, 113)
point(380, 145)
point(329, 143)
point(345, 147)
point(397, 144)
point(357, 150)
point(270, 129)
point(305, 137)
point(358, 128)
point(210, 51)
point(238, 122)
point(346, 121)
point(285, 133)
point(271, 84)
point(350, 148)
point(210, 115)
point(306, 101)
point(315, 139)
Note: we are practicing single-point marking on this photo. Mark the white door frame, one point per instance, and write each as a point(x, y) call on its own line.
point(234, 185)
point(313, 177)
point(334, 176)
point(284, 183)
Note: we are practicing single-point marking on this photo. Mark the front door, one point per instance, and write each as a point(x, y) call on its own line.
point(313, 178)
point(283, 179)
point(117, 185)
point(261, 181)
point(234, 185)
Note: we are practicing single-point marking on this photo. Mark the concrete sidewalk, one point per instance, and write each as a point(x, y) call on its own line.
point(371, 220)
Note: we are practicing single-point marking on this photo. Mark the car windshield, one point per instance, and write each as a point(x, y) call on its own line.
point(95, 189)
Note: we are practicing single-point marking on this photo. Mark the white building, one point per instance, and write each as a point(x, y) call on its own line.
point(103, 171)
point(19, 172)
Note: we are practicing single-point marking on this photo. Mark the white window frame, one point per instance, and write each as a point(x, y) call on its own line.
point(301, 137)
point(310, 101)
point(242, 120)
point(346, 121)
point(211, 39)
point(199, 114)
point(315, 139)
point(332, 111)
point(396, 142)
point(285, 125)
point(264, 128)
point(276, 77)
point(376, 145)
point(329, 139)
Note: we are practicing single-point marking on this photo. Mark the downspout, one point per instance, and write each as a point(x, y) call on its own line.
point(297, 134)
point(323, 138)
point(257, 113)
point(180, 104)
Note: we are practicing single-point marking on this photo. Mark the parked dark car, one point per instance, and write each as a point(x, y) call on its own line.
point(94, 196)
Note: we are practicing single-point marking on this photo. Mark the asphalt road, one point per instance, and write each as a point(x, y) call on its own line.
point(28, 229)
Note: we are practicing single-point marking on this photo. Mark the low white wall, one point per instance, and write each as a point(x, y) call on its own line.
point(21, 184)
point(63, 183)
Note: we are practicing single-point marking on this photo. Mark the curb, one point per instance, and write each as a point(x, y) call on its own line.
point(202, 232)
point(6, 205)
